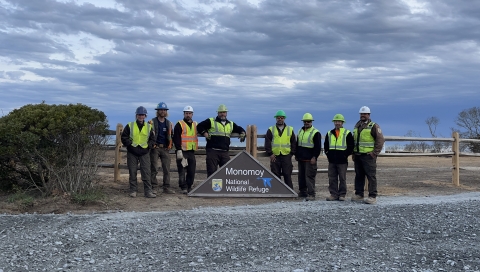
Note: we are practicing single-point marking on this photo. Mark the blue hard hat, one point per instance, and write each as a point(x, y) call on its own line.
point(141, 110)
point(161, 106)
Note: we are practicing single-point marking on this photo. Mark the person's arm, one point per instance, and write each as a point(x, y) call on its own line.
point(350, 144)
point(151, 139)
point(379, 139)
point(125, 138)
point(177, 136)
point(237, 129)
point(317, 145)
point(204, 126)
point(293, 143)
point(268, 142)
point(326, 143)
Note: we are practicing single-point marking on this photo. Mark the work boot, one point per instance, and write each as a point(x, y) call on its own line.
point(371, 200)
point(310, 198)
point(332, 198)
point(357, 198)
point(184, 191)
point(342, 198)
point(154, 190)
point(189, 189)
point(168, 191)
point(150, 195)
point(133, 194)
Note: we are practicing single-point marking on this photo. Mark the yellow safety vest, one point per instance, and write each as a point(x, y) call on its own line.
point(139, 138)
point(281, 144)
point(189, 136)
point(218, 129)
point(364, 143)
point(339, 143)
point(306, 142)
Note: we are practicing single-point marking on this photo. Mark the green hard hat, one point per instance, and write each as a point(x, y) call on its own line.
point(307, 117)
point(280, 113)
point(222, 107)
point(338, 117)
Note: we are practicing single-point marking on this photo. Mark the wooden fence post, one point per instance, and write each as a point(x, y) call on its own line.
point(248, 143)
point(456, 159)
point(118, 144)
point(254, 141)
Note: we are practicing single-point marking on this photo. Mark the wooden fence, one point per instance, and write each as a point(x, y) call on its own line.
point(258, 151)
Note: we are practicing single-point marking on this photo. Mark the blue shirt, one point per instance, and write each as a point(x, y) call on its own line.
point(162, 131)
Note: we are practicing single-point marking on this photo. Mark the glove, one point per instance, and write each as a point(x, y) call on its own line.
point(179, 154)
point(242, 137)
point(184, 162)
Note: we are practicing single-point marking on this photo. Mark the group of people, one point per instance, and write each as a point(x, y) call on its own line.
point(363, 145)
point(148, 142)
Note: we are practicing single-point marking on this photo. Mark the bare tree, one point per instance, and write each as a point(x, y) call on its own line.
point(416, 145)
point(432, 123)
point(469, 120)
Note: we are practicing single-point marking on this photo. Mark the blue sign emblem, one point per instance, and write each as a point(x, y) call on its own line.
point(266, 182)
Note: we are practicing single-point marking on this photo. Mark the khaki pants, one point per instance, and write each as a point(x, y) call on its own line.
point(164, 156)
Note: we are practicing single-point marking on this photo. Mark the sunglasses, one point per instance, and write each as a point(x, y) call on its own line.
point(307, 121)
point(280, 117)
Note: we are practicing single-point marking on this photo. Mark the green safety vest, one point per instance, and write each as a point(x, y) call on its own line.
point(339, 143)
point(139, 138)
point(364, 143)
point(189, 136)
point(218, 129)
point(281, 144)
point(306, 142)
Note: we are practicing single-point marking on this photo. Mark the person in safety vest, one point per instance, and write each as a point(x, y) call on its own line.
point(368, 143)
point(280, 145)
point(139, 138)
point(309, 145)
point(163, 129)
point(217, 131)
point(338, 146)
point(186, 142)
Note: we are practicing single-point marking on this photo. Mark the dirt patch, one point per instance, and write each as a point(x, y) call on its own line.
point(405, 176)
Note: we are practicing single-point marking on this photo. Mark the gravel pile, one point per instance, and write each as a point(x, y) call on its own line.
point(398, 234)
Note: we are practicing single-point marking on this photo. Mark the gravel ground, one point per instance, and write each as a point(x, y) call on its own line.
point(438, 233)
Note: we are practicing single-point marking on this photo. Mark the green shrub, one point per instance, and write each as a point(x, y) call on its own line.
point(53, 147)
point(88, 197)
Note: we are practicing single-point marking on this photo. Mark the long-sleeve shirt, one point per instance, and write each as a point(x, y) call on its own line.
point(218, 142)
point(376, 133)
point(269, 139)
point(338, 156)
point(127, 141)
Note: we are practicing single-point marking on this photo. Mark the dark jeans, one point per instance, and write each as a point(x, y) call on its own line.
point(215, 159)
point(132, 163)
point(283, 166)
point(337, 179)
point(164, 156)
point(306, 178)
point(186, 175)
point(365, 166)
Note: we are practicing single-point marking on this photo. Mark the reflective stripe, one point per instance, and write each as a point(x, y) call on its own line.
point(189, 136)
point(301, 139)
point(364, 143)
point(224, 130)
point(341, 142)
point(139, 137)
point(281, 144)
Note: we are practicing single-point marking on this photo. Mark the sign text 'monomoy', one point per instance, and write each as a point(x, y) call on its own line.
point(243, 176)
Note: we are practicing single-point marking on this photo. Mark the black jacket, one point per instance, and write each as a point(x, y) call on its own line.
point(305, 153)
point(338, 156)
point(218, 142)
point(137, 150)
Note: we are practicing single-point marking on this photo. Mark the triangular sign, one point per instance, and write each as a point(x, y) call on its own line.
point(243, 176)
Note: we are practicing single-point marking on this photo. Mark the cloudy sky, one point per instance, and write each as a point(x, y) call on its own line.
point(406, 59)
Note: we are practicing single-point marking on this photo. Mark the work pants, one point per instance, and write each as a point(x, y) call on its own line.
point(365, 166)
point(306, 178)
point(283, 166)
point(215, 159)
point(132, 163)
point(186, 175)
point(164, 156)
point(337, 179)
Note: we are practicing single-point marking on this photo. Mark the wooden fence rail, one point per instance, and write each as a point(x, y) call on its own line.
point(251, 146)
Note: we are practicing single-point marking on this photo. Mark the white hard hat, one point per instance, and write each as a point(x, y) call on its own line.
point(188, 108)
point(364, 109)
